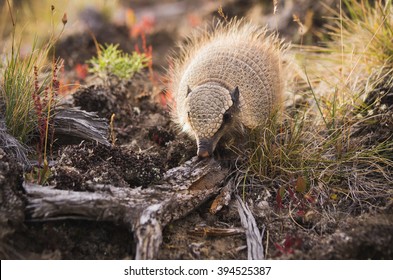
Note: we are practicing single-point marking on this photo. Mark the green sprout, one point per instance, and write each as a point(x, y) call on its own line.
point(111, 61)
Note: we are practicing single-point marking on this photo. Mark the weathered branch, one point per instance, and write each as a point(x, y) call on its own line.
point(144, 211)
point(254, 237)
point(71, 123)
point(224, 197)
point(12, 145)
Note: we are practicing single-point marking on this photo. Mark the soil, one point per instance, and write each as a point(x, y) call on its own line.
point(145, 144)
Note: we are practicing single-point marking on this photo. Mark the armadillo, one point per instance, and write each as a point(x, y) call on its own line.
point(225, 78)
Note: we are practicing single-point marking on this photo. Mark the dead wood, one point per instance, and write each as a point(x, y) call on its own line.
point(144, 211)
point(74, 124)
point(71, 126)
point(254, 237)
point(12, 146)
point(223, 198)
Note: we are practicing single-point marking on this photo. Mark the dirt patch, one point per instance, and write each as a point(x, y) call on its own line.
point(74, 240)
point(363, 237)
point(12, 204)
point(90, 163)
point(181, 241)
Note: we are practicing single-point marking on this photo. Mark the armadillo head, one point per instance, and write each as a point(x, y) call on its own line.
point(211, 109)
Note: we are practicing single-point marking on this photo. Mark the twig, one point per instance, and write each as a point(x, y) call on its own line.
point(254, 237)
point(214, 231)
point(223, 198)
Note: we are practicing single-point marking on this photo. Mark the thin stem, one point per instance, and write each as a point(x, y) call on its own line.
point(13, 28)
point(12, 17)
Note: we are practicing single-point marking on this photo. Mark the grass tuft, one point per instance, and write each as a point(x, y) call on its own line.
point(29, 93)
point(17, 91)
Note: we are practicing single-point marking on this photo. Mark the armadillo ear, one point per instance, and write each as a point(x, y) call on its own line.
point(235, 95)
point(188, 90)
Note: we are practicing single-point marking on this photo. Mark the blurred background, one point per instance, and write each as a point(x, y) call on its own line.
point(154, 23)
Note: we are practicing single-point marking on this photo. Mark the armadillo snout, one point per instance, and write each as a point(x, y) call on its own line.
point(203, 153)
point(205, 148)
